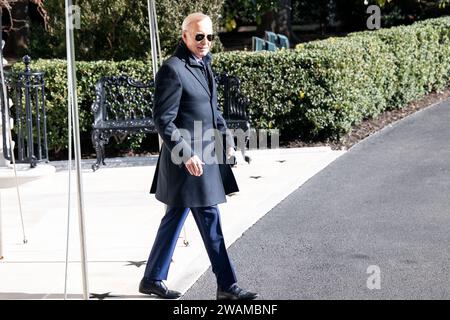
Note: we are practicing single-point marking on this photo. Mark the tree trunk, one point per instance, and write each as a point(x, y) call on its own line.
point(279, 21)
point(18, 37)
point(267, 23)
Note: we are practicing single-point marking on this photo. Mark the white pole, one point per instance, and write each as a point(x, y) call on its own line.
point(155, 47)
point(69, 192)
point(153, 31)
point(155, 23)
point(1, 233)
point(73, 103)
point(1, 57)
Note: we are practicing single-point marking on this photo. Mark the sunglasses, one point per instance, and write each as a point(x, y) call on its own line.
point(199, 37)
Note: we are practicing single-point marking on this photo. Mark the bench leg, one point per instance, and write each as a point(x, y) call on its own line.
point(244, 147)
point(98, 141)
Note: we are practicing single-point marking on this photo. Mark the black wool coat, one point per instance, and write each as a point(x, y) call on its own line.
point(182, 96)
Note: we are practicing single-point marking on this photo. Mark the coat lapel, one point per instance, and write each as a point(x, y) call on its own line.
point(213, 94)
point(211, 76)
point(194, 68)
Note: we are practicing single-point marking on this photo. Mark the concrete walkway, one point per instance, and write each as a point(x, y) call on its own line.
point(122, 219)
point(375, 224)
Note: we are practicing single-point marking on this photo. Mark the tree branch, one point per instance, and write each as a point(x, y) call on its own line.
point(7, 5)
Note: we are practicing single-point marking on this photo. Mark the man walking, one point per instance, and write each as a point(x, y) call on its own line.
point(185, 109)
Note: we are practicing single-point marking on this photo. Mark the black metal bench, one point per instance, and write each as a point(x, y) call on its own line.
point(124, 106)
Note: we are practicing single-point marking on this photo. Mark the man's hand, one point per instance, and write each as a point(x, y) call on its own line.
point(195, 166)
point(230, 152)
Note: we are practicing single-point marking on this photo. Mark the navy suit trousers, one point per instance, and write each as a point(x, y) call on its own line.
point(208, 223)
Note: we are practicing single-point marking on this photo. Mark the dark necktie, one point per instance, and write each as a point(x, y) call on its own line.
point(204, 71)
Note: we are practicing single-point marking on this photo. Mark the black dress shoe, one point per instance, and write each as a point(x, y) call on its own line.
point(158, 288)
point(235, 293)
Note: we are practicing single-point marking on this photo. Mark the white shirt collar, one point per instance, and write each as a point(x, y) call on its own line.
point(199, 61)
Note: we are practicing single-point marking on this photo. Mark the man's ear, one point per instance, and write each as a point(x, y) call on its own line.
point(183, 36)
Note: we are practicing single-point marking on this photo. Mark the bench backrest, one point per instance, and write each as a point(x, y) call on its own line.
point(123, 99)
point(230, 98)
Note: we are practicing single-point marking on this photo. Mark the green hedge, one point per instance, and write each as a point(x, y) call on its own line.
point(322, 88)
point(317, 91)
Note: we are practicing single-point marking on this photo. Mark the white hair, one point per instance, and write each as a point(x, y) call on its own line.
point(193, 17)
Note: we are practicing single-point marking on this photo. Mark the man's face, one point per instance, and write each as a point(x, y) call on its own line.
point(196, 29)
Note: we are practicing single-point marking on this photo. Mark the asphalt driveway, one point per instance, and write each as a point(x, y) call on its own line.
point(377, 217)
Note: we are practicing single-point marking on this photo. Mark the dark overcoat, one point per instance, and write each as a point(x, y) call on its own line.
point(182, 96)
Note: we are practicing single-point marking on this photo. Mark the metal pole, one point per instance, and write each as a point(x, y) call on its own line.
point(19, 116)
point(155, 23)
point(1, 56)
point(153, 45)
point(38, 123)
point(73, 103)
point(1, 230)
point(69, 191)
point(29, 118)
point(45, 119)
